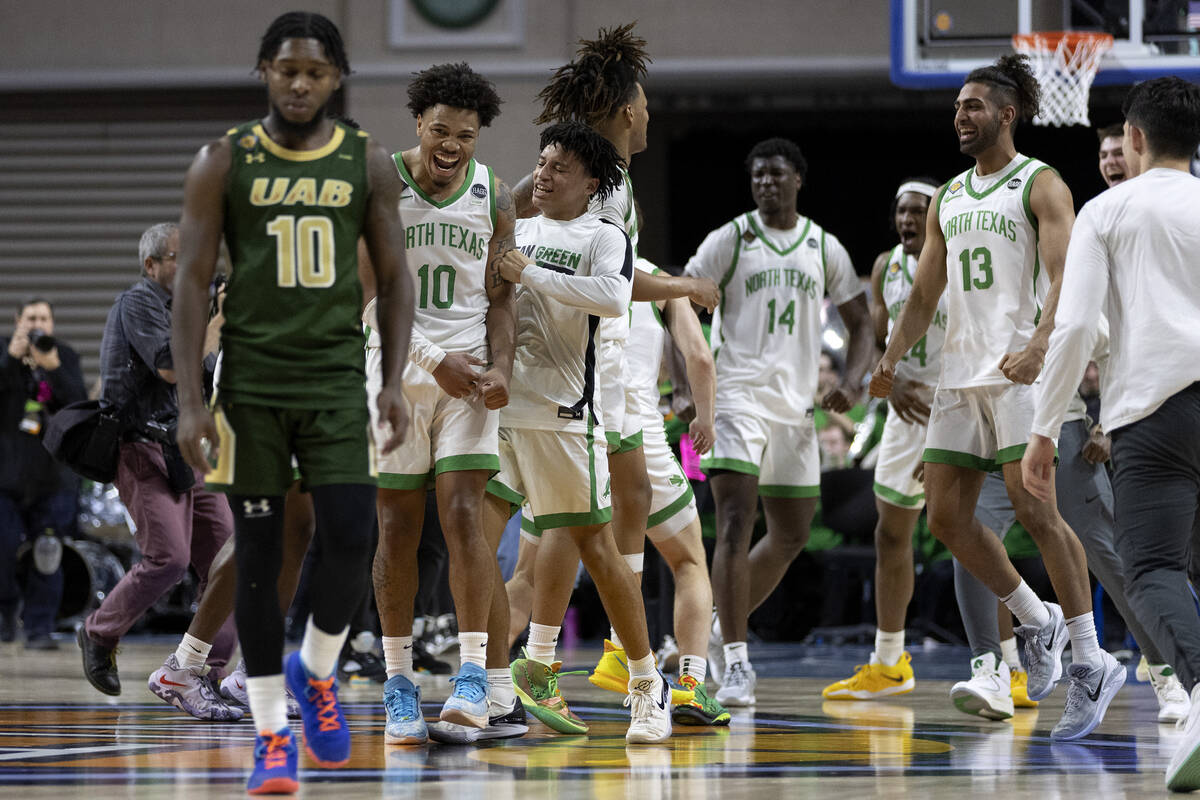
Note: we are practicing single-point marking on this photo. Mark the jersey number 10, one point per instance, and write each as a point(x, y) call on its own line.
point(303, 251)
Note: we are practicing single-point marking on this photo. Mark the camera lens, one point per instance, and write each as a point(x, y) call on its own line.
point(41, 340)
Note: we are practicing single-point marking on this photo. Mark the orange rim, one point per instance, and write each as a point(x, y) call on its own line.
point(1050, 40)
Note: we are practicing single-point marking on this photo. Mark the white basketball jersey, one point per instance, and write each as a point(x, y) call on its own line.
point(644, 351)
point(995, 280)
point(618, 208)
point(923, 363)
point(772, 285)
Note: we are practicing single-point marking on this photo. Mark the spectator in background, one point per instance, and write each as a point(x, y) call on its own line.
point(835, 447)
point(38, 498)
point(1112, 157)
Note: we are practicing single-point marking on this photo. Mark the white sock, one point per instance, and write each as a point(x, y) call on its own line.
point(1026, 606)
point(696, 666)
point(1010, 654)
point(889, 646)
point(737, 651)
point(192, 652)
point(319, 650)
point(501, 686)
point(1085, 647)
point(472, 649)
point(616, 640)
point(543, 639)
point(642, 667)
point(268, 702)
point(397, 655)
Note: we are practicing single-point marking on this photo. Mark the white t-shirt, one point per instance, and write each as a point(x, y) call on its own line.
point(1134, 255)
point(584, 271)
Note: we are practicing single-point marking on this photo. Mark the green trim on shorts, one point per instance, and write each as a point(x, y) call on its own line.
point(731, 464)
point(626, 445)
point(486, 461)
point(957, 459)
point(527, 526)
point(1014, 453)
point(780, 490)
point(668, 511)
point(510, 496)
point(613, 440)
point(574, 520)
point(392, 480)
point(897, 499)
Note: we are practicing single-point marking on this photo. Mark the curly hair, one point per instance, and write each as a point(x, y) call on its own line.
point(304, 25)
point(777, 146)
point(599, 158)
point(457, 86)
point(603, 77)
point(1013, 81)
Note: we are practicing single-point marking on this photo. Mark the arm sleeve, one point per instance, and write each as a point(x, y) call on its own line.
point(841, 281)
point(714, 258)
point(424, 353)
point(606, 292)
point(1084, 287)
point(147, 328)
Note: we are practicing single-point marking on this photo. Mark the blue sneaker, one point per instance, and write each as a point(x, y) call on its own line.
point(402, 704)
point(274, 764)
point(326, 737)
point(468, 705)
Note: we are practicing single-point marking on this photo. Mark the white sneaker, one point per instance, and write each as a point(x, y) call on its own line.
point(1043, 652)
point(649, 710)
point(1173, 702)
point(190, 690)
point(233, 690)
point(989, 692)
point(1183, 771)
point(738, 688)
point(668, 655)
point(716, 651)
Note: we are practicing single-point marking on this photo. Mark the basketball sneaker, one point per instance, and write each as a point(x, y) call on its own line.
point(1043, 652)
point(468, 703)
point(233, 690)
point(989, 692)
point(668, 654)
point(649, 704)
point(326, 737)
point(1183, 770)
point(274, 764)
point(702, 710)
point(190, 690)
point(536, 685)
point(738, 689)
point(1018, 681)
point(1173, 702)
point(402, 706)
point(874, 680)
point(1088, 696)
point(612, 673)
point(716, 651)
point(503, 723)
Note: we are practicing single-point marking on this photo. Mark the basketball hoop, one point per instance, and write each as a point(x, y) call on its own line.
point(1065, 64)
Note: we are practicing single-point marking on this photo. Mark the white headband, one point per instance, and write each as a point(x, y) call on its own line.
point(920, 187)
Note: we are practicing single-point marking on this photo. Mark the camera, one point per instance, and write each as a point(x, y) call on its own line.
point(41, 340)
point(160, 432)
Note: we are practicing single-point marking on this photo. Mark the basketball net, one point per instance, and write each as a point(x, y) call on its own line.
point(1065, 64)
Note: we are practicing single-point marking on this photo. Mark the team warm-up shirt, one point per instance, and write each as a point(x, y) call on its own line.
point(618, 208)
point(995, 280)
point(772, 286)
point(583, 272)
point(922, 363)
point(1133, 255)
point(292, 336)
point(644, 352)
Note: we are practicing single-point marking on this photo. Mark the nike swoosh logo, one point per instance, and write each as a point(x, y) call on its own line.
point(1091, 499)
point(897, 680)
point(169, 682)
point(1094, 696)
point(238, 684)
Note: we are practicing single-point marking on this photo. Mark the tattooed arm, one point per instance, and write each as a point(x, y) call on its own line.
point(501, 319)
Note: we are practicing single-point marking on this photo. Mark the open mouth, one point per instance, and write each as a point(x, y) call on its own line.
point(1114, 177)
point(445, 163)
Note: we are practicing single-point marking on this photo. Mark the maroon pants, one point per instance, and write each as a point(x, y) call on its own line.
point(173, 530)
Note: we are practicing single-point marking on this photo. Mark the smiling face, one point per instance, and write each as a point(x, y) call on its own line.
point(300, 80)
point(773, 184)
point(978, 121)
point(561, 184)
point(448, 137)
point(911, 208)
point(1112, 161)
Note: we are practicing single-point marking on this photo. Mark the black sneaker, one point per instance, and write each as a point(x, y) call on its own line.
point(424, 661)
point(364, 665)
point(99, 664)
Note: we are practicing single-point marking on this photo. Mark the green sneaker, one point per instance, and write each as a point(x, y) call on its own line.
point(703, 710)
point(537, 687)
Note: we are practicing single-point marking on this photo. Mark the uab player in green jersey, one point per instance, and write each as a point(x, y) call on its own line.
point(292, 194)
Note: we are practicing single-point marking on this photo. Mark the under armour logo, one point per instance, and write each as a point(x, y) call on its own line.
point(256, 508)
point(255, 157)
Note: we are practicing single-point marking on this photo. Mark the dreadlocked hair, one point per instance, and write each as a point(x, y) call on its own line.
point(457, 86)
point(1012, 83)
point(304, 25)
point(602, 78)
point(599, 158)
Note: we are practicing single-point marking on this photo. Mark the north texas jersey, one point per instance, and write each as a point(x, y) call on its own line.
point(584, 269)
point(292, 336)
point(619, 209)
point(995, 283)
point(644, 351)
point(772, 286)
point(923, 363)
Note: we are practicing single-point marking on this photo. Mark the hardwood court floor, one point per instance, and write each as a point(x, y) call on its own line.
point(59, 738)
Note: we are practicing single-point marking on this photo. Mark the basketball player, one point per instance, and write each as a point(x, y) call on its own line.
point(458, 223)
point(995, 243)
point(573, 267)
point(1133, 257)
point(774, 268)
point(292, 193)
point(899, 497)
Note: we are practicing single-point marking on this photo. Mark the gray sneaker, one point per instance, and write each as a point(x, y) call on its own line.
point(1090, 692)
point(233, 689)
point(189, 689)
point(1183, 771)
point(738, 689)
point(1043, 652)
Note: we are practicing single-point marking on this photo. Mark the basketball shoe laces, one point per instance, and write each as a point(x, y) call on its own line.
point(474, 690)
point(550, 691)
point(326, 700)
point(275, 754)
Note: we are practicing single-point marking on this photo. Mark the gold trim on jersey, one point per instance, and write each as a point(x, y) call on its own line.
point(279, 151)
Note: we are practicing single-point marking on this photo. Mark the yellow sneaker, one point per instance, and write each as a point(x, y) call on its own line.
point(1019, 679)
point(874, 680)
point(612, 673)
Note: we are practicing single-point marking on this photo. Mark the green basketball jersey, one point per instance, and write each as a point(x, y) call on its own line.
point(292, 335)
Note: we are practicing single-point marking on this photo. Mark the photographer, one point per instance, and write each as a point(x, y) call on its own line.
point(38, 376)
point(178, 522)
